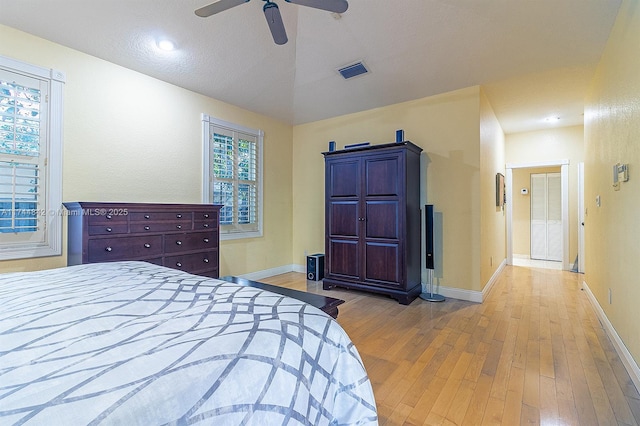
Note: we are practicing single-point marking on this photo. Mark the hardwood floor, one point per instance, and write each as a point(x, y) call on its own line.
point(533, 353)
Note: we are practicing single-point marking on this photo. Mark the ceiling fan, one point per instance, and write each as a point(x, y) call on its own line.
point(272, 13)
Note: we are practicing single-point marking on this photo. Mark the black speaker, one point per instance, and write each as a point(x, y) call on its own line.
point(315, 267)
point(428, 235)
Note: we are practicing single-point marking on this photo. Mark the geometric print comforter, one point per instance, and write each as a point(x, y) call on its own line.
point(131, 343)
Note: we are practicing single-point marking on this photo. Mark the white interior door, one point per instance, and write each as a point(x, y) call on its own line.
point(546, 216)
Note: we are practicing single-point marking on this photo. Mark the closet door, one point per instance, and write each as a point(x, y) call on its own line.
point(546, 216)
point(554, 217)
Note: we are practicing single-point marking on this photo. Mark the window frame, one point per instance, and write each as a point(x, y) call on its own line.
point(207, 177)
point(52, 152)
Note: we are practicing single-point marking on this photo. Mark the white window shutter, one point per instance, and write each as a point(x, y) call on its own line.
point(30, 160)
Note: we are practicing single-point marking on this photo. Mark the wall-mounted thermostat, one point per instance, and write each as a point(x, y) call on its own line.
point(620, 174)
point(524, 191)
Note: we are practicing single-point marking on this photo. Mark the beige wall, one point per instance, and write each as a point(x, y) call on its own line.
point(521, 204)
point(130, 137)
point(612, 135)
point(492, 226)
point(564, 143)
point(115, 117)
point(447, 128)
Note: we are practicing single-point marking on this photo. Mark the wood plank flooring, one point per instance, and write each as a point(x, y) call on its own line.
point(533, 353)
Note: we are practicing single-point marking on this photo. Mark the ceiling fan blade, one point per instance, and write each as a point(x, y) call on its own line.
point(218, 7)
point(274, 19)
point(337, 6)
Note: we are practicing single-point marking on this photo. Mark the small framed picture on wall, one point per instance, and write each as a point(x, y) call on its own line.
point(500, 195)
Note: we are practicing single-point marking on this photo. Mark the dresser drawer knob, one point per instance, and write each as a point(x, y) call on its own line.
point(206, 215)
point(147, 245)
point(206, 225)
point(109, 217)
point(179, 265)
point(108, 249)
point(179, 242)
point(179, 216)
point(146, 216)
point(146, 228)
point(109, 229)
point(206, 240)
point(179, 226)
point(205, 260)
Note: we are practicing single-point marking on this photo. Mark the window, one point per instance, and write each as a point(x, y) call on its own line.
point(30, 160)
point(233, 176)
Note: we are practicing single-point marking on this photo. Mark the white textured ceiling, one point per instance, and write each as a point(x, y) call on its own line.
point(535, 58)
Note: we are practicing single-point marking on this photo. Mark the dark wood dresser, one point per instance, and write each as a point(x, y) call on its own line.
point(179, 236)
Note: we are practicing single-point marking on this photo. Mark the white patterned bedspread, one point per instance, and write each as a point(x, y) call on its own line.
point(130, 343)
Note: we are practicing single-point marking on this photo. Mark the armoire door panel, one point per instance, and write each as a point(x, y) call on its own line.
point(382, 263)
point(344, 258)
point(343, 218)
point(344, 179)
point(382, 176)
point(382, 219)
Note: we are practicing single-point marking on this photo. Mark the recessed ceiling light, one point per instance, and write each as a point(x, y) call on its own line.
point(166, 45)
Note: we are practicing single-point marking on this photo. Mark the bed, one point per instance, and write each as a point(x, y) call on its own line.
point(132, 343)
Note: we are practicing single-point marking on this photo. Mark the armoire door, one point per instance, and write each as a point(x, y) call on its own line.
point(344, 218)
point(383, 219)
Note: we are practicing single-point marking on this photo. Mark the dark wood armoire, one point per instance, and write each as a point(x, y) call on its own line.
point(373, 220)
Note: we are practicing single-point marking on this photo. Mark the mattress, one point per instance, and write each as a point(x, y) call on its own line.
point(131, 343)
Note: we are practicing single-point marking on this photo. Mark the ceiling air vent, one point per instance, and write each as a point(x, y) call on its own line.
point(353, 70)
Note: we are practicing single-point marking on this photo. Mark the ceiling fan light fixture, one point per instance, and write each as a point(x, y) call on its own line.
point(274, 19)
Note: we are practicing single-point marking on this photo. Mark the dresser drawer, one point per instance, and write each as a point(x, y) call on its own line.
point(195, 262)
point(187, 242)
point(124, 248)
point(109, 228)
point(212, 224)
point(205, 216)
point(212, 273)
point(153, 216)
point(174, 225)
point(156, 261)
point(106, 216)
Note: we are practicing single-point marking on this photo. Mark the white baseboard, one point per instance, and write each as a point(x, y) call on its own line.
point(270, 272)
point(454, 293)
point(627, 359)
point(470, 295)
point(494, 278)
point(460, 294)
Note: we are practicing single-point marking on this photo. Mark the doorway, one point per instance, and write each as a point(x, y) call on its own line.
point(546, 217)
point(511, 192)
